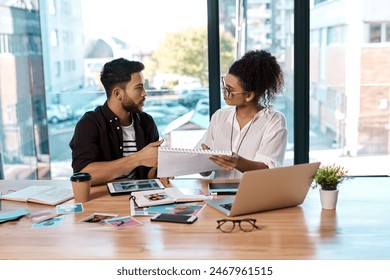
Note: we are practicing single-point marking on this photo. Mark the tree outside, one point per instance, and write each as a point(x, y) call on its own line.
point(185, 53)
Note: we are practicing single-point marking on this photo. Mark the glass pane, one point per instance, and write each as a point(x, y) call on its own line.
point(375, 33)
point(23, 130)
point(388, 32)
point(349, 94)
point(265, 25)
point(169, 37)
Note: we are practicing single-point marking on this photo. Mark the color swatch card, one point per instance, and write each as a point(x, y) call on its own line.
point(123, 222)
point(98, 218)
point(64, 209)
point(52, 223)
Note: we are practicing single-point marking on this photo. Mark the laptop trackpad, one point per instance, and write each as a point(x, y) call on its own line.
point(221, 203)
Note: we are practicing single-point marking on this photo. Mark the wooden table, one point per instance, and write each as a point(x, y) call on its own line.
point(358, 229)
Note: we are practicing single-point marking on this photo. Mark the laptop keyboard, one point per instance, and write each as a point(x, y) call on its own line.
point(227, 206)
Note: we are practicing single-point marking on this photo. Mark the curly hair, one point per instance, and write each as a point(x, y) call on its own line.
point(258, 71)
point(118, 72)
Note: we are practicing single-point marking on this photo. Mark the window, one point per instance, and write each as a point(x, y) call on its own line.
point(54, 38)
point(378, 32)
point(267, 26)
point(66, 7)
point(52, 7)
point(57, 68)
point(375, 33)
point(316, 2)
point(172, 88)
point(24, 152)
point(350, 91)
point(4, 48)
point(337, 34)
point(314, 37)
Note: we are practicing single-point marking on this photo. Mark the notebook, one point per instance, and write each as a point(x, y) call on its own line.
point(49, 195)
point(177, 161)
point(268, 189)
point(166, 196)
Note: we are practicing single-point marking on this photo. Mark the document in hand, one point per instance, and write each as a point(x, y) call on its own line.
point(176, 161)
point(166, 196)
point(50, 195)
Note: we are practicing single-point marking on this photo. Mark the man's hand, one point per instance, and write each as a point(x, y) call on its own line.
point(166, 180)
point(149, 154)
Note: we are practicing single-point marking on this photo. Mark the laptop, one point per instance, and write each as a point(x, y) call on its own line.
point(268, 189)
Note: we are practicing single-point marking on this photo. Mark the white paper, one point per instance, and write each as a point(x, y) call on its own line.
point(176, 162)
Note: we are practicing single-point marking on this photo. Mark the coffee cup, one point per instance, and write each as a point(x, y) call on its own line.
point(81, 184)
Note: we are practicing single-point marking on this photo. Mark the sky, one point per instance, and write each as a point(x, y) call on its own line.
point(142, 23)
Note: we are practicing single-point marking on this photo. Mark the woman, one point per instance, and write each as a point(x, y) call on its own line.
point(250, 128)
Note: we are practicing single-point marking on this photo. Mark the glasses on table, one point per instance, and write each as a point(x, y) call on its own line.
point(227, 92)
point(228, 225)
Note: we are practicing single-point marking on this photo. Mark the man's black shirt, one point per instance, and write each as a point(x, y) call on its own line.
point(98, 137)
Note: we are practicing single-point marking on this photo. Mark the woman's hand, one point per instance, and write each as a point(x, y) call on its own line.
point(204, 146)
point(207, 173)
point(228, 163)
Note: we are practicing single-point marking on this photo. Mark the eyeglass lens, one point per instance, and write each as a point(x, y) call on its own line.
point(224, 90)
point(226, 226)
point(245, 225)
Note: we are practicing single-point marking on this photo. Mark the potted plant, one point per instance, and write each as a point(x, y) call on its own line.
point(328, 178)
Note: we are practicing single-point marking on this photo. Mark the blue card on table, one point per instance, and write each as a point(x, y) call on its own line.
point(52, 223)
point(69, 208)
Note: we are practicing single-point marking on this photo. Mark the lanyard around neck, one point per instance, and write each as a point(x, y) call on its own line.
point(242, 139)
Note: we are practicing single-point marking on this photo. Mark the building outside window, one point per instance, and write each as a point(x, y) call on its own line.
point(349, 57)
point(23, 128)
point(348, 112)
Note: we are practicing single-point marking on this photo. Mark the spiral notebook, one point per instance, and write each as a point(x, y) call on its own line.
point(177, 161)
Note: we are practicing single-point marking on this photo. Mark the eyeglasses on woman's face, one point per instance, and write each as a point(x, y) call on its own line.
point(246, 225)
point(228, 93)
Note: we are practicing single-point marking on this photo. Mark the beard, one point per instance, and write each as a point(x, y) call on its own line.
point(132, 107)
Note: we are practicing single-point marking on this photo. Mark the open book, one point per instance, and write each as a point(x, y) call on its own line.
point(166, 196)
point(49, 195)
point(176, 161)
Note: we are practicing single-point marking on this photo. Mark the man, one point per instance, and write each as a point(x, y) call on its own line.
point(117, 140)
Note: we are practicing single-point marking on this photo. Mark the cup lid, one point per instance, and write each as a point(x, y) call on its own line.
point(80, 177)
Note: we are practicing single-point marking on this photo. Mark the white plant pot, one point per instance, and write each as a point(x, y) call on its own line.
point(329, 199)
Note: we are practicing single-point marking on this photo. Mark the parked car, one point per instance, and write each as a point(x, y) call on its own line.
point(168, 106)
point(57, 113)
point(80, 112)
point(157, 111)
point(190, 97)
point(90, 106)
point(203, 106)
point(159, 118)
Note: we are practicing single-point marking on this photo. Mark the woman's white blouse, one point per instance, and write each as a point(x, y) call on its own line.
point(265, 141)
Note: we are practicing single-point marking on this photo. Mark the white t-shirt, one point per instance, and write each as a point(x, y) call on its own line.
point(129, 147)
point(265, 141)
